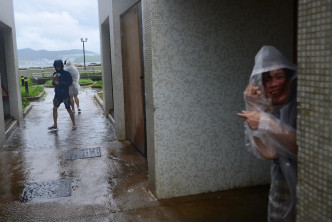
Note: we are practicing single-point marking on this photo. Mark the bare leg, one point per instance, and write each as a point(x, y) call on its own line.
point(72, 103)
point(55, 118)
point(72, 117)
point(77, 101)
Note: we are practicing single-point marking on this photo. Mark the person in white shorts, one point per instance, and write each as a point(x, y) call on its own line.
point(73, 89)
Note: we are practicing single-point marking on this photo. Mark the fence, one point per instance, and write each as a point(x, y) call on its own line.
point(48, 71)
point(83, 73)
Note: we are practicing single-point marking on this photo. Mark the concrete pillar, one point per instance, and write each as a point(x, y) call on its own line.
point(314, 197)
point(2, 122)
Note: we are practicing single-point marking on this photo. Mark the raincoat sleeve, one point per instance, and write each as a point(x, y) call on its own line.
point(66, 80)
point(274, 137)
point(257, 103)
point(74, 74)
point(53, 78)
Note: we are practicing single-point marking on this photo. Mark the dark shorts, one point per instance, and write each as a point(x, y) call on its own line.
point(57, 102)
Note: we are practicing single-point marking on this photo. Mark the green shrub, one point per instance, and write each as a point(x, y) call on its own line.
point(90, 72)
point(33, 91)
point(49, 82)
point(25, 103)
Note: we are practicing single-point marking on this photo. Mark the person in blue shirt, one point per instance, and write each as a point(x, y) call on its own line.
point(61, 82)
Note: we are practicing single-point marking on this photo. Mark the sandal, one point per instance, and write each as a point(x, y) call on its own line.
point(52, 128)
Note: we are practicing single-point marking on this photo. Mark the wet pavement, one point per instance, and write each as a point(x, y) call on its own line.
point(88, 175)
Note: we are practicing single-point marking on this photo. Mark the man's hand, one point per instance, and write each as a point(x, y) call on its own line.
point(251, 117)
point(56, 82)
point(252, 91)
point(253, 97)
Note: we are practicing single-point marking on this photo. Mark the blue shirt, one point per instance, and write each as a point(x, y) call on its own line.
point(65, 80)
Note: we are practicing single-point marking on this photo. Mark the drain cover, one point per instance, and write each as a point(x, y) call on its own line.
point(83, 153)
point(46, 190)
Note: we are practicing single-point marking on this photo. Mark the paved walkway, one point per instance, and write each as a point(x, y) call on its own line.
point(88, 175)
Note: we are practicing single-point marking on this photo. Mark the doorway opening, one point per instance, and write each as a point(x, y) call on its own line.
point(107, 69)
point(4, 81)
point(133, 77)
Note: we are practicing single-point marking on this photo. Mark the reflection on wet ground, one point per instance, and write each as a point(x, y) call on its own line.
point(88, 175)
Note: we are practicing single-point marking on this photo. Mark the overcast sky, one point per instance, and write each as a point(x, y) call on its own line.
point(57, 24)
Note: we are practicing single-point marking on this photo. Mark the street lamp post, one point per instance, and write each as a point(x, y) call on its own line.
point(84, 40)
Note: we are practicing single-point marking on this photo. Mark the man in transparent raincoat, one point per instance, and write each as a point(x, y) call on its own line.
point(270, 127)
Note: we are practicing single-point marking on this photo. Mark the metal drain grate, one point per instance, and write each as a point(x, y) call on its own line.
point(46, 190)
point(83, 153)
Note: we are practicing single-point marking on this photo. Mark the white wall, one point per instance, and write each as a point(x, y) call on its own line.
point(202, 54)
point(7, 12)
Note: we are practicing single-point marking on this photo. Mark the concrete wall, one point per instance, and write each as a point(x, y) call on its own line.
point(112, 10)
point(9, 64)
point(315, 111)
point(3, 72)
point(197, 61)
point(200, 58)
point(2, 123)
point(108, 105)
point(105, 18)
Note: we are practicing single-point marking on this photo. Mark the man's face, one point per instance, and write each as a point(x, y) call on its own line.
point(58, 68)
point(276, 86)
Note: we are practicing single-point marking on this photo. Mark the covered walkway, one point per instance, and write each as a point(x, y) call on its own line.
point(88, 175)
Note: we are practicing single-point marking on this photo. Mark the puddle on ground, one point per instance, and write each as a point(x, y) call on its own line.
point(46, 190)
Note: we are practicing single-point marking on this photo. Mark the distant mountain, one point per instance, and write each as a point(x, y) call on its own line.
point(42, 58)
point(30, 54)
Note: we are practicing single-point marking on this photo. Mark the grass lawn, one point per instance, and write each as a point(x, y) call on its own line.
point(33, 91)
point(84, 81)
point(98, 83)
point(100, 94)
point(49, 82)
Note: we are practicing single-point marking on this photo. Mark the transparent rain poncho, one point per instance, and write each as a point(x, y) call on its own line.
point(74, 73)
point(276, 133)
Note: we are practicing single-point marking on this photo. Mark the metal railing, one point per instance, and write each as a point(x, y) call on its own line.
point(48, 71)
point(41, 74)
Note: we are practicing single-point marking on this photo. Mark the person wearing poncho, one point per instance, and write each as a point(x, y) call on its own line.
point(73, 89)
point(270, 127)
point(61, 82)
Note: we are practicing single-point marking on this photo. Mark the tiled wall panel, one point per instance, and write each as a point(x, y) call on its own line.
point(315, 111)
point(149, 106)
